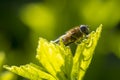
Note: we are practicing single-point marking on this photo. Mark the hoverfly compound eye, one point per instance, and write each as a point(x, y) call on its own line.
point(84, 29)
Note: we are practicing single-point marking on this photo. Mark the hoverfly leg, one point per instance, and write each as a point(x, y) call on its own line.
point(77, 42)
point(87, 36)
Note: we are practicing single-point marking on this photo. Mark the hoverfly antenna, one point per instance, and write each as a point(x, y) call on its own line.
point(84, 29)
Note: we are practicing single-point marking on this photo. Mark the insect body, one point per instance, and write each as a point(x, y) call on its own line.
point(74, 35)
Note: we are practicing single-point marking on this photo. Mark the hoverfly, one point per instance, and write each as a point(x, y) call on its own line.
point(75, 34)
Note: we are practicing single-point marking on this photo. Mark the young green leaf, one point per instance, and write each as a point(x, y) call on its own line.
point(84, 54)
point(57, 61)
point(31, 72)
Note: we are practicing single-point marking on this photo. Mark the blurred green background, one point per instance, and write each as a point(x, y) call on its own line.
point(22, 22)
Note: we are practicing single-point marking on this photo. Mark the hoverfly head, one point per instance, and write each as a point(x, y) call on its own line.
point(84, 29)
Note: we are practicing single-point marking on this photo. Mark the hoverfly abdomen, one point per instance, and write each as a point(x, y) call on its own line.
point(71, 36)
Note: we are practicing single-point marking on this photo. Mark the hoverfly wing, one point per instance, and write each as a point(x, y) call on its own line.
point(58, 39)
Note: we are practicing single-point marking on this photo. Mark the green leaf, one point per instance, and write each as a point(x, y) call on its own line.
point(56, 59)
point(57, 62)
point(84, 54)
point(30, 71)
